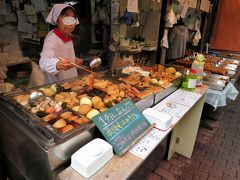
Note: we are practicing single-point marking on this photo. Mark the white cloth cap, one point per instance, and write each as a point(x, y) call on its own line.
point(55, 12)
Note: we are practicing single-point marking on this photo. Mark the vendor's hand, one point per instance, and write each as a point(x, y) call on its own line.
point(78, 61)
point(64, 64)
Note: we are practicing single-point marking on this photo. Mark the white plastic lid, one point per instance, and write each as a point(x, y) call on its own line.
point(95, 148)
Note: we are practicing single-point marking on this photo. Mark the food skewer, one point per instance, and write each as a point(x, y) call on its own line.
point(91, 77)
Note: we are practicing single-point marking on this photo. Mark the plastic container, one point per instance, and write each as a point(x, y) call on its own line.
point(198, 66)
point(190, 80)
point(91, 157)
point(162, 120)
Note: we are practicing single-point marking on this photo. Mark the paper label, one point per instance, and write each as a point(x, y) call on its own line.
point(192, 83)
point(146, 145)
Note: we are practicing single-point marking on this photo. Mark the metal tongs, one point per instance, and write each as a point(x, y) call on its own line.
point(93, 64)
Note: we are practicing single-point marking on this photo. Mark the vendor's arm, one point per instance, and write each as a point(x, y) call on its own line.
point(64, 64)
point(49, 58)
point(78, 61)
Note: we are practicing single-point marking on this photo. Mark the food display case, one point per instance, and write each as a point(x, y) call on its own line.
point(40, 145)
point(218, 71)
point(173, 86)
point(219, 81)
point(35, 149)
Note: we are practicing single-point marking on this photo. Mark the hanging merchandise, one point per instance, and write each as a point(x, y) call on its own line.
point(115, 11)
point(196, 38)
point(191, 17)
point(184, 11)
point(178, 9)
point(170, 18)
point(127, 18)
point(101, 15)
point(164, 41)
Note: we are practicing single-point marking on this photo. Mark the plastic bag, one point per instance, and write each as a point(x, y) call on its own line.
point(101, 16)
point(127, 18)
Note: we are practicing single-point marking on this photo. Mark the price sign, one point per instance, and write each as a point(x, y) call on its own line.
point(122, 126)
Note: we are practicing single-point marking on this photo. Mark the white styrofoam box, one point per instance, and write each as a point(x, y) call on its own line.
point(91, 157)
point(162, 120)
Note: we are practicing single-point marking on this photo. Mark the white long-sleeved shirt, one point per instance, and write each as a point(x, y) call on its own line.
point(53, 48)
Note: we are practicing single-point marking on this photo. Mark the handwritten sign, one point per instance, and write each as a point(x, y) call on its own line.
point(122, 125)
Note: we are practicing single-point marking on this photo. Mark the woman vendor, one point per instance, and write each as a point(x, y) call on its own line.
point(58, 51)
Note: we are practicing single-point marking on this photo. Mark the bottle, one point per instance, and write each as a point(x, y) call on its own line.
point(189, 81)
point(198, 66)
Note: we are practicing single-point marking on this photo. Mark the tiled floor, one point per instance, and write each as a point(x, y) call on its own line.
point(216, 154)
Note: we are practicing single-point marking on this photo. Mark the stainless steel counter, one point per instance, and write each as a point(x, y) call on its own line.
point(35, 151)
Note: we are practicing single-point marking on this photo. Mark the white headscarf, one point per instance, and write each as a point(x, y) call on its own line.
point(55, 12)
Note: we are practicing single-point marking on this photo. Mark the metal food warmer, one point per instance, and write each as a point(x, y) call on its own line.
point(215, 79)
point(35, 149)
point(39, 151)
point(219, 82)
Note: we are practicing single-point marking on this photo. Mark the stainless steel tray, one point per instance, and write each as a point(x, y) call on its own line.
point(164, 93)
point(175, 84)
point(235, 61)
point(37, 122)
point(215, 81)
point(220, 77)
point(76, 127)
point(231, 73)
point(145, 102)
point(213, 85)
point(230, 67)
